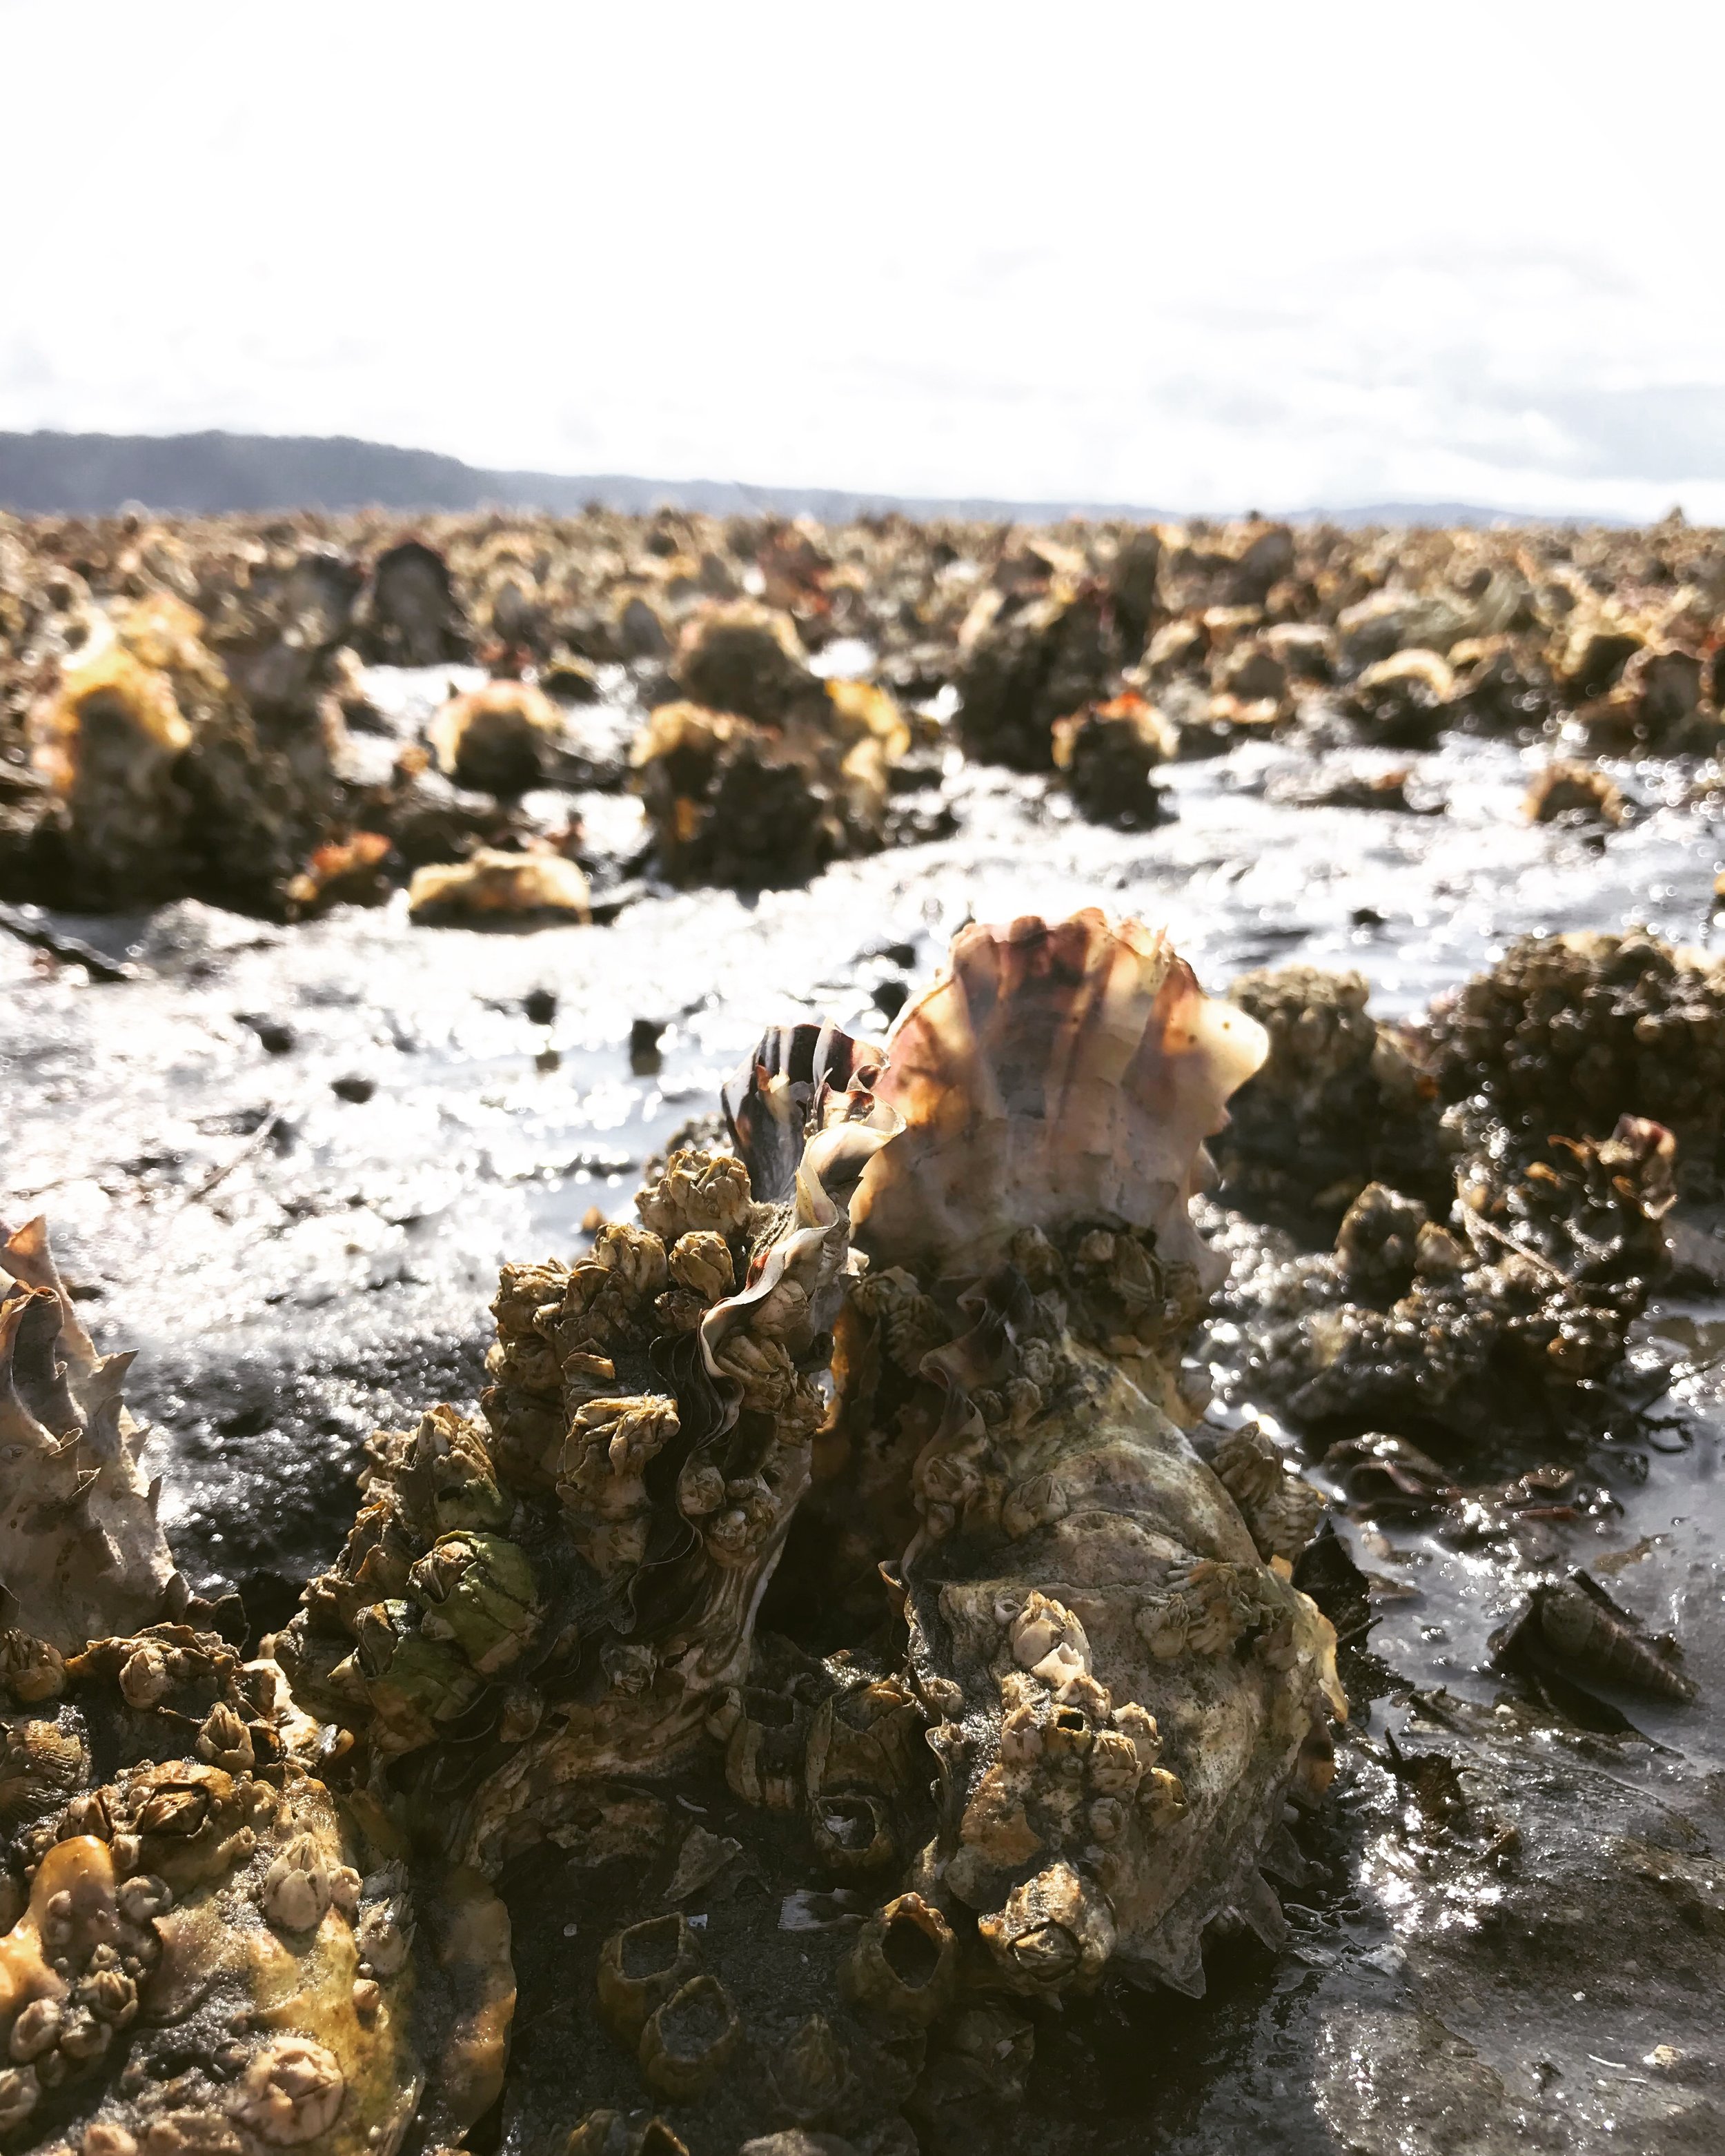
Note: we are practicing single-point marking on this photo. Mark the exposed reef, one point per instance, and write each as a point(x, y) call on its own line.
point(184, 708)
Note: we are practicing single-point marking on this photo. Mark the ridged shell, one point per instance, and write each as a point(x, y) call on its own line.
point(1056, 1072)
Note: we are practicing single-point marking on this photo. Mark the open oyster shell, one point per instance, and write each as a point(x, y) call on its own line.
point(81, 1551)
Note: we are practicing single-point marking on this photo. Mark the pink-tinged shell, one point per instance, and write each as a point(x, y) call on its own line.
point(1057, 1072)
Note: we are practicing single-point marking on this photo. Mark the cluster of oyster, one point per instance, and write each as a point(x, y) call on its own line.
point(1491, 1255)
point(909, 1347)
point(175, 698)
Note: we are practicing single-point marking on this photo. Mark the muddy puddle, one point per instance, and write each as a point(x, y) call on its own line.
point(285, 1163)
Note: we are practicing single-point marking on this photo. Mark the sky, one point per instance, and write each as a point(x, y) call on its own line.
point(1193, 257)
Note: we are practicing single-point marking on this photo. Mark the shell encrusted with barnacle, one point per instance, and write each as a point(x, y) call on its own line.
point(557, 1594)
point(1129, 1686)
point(201, 1953)
point(926, 1313)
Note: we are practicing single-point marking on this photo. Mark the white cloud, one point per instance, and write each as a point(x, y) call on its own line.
point(1190, 257)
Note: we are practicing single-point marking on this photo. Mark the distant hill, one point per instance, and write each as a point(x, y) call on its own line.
point(46, 473)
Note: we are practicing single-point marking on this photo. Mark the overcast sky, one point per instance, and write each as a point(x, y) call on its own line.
point(1201, 256)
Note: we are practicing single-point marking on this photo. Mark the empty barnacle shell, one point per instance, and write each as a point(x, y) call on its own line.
point(812, 2078)
point(639, 1969)
point(1573, 1626)
point(615, 2134)
point(851, 1832)
point(905, 1962)
point(689, 2039)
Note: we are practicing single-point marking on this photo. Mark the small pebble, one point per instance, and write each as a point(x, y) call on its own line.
point(353, 1087)
point(644, 1059)
point(274, 1036)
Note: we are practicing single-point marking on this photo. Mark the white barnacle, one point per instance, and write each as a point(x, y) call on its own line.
point(383, 1934)
point(291, 2093)
point(19, 2093)
point(225, 1741)
point(37, 2030)
point(296, 1887)
point(147, 1674)
point(142, 1896)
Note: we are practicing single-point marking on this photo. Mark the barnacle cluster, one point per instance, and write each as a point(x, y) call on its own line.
point(201, 1949)
point(565, 1588)
point(1497, 1250)
point(1340, 1099)
point(1569, 1032)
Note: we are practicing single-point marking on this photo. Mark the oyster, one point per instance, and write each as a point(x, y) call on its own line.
point(201, 1955)
point(1107, 752)
point(81, 1551)
point(1128, 1688)
point(495, 739)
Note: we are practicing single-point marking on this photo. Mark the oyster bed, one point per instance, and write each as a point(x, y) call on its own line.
point(287, 1163)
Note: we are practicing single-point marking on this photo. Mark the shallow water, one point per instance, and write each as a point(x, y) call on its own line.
point(287, 1163)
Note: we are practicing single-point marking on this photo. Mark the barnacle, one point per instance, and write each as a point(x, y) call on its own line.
point(81, 1553)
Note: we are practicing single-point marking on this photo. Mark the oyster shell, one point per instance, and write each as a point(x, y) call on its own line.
point(199, 1957)
point(81, 1550)
point(1128, 1690)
